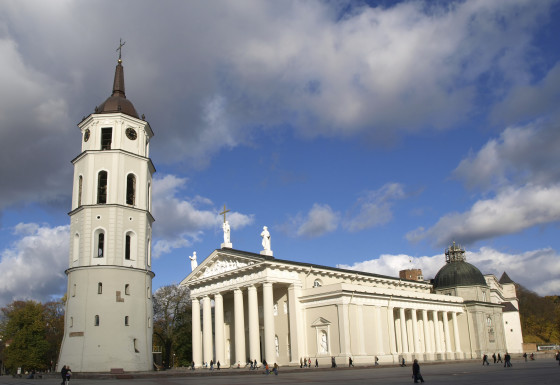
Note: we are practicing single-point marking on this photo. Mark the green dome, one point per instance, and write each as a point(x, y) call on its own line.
point(458, 273)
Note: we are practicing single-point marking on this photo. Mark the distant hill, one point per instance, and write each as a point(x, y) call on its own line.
point(540, 316)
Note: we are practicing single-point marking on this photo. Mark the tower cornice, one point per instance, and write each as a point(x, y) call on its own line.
point(82, 207)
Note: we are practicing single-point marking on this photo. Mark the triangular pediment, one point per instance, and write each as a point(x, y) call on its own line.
point(219, 263)
point(320, 322)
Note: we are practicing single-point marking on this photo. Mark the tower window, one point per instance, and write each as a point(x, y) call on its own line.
point(102, 187)
point(135, 346)
point(126, 320)
point(99, 288)
point(80, 183)
point(96, 321)
point(127, 247)
point(100, 245)
point(130, 189)
point(127, 289)
point(106, 138)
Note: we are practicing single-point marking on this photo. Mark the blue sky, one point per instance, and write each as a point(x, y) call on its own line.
point(364, 135)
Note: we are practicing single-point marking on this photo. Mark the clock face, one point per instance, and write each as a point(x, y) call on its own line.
point(131, 133)
point(86, 135)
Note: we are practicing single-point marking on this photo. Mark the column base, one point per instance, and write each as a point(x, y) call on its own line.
point(227, 245)
point(429, 357)
point(267, 253)
point(449, 355)
point(459, 355)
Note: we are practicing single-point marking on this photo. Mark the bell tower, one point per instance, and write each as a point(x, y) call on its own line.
point(108, 319)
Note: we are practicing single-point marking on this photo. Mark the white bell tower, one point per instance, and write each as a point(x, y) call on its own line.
point(108, 320)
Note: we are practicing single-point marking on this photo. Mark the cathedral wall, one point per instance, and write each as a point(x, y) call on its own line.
point(512, 331)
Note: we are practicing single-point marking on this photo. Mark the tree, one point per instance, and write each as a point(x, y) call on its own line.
point(54, 328)
point(23, 329)
point(172, 318)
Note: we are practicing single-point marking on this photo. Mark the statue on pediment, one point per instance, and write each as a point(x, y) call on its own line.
point(265, 238)
point(194, 263)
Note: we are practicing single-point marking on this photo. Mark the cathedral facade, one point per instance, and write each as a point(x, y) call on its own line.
point(248, 306)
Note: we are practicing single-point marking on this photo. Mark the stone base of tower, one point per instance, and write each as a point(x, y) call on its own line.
point(108, 320)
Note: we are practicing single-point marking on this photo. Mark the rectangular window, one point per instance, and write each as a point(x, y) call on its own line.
point(96, 320)
point(127, 289)
point(99, 288)
point(106, 138)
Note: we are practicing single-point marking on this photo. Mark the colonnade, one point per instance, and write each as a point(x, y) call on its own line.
point(426, 340)
point(203, 351)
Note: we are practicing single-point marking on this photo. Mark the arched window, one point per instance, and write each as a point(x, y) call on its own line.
point(126, 320)
point(149, 252)
point(130, 246)
point(80, 183)
point(96, 320)
point(71, 321)
point(149, 202)
point(127, 289)
point(102, 187)
point(100, 244)
point(76, 247)
point(99, 288)
point(130, 189)
point(127, 247)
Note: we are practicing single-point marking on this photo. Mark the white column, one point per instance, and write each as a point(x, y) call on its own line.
point(404, 336)
point(196, 343)
point(254, 345)
point(436, 331)
point(208, 347)
point(297, 337)
point(379, 330)
point(456, 333)
point(392, 332)
point(415, 331)
point(360, 331)
point(446, 331)
point(427, 338)
point(240, 357)
point(344, 329)
point(219, 328)
point(269, 347)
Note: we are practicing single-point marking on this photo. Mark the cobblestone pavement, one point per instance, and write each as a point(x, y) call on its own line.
point(546, 371)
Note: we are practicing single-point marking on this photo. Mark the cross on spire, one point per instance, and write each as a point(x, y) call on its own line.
point(121, 43)
point(224, 213)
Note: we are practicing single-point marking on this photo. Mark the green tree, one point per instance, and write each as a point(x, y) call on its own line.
point(23, 329)
point(172, 323)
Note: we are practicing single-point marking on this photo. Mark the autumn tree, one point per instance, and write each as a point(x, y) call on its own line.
point(23, 329)
point(172, 323)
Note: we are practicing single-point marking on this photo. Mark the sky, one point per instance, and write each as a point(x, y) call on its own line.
point(365, 135)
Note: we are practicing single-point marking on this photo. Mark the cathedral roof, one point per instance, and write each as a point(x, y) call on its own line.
point(457, 271)
point(117, 102)
point(505, 279)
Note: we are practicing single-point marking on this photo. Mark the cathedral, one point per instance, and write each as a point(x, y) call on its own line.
point(258, 307)
point(249, 306)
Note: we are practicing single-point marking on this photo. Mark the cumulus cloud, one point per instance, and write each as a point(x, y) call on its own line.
point(521, 154)
point(355, 72)
point(33, 266)
point(321, 219)
point(543, 277)
point(373, 208)
point(511, 211)
point(181, 220)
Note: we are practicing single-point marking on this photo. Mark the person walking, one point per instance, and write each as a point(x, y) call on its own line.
point(507, 359)
point(416, 372)
point(499, 358)
point(275, 369)
point(63, 375)
point(403, 362)
point(350, 362)
point(316, 363)
point(68, 374)
point(494, 357)
point(485, 360)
